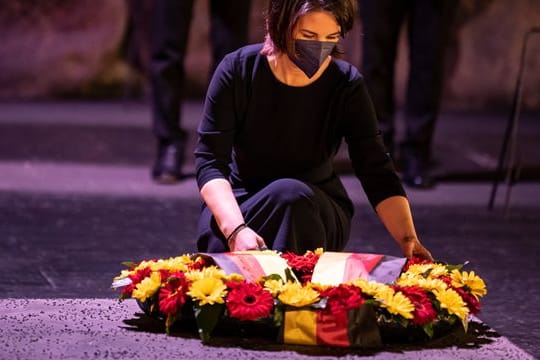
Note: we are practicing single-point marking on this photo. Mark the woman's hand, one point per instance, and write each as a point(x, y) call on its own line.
point(411, 247)
point(246, 239)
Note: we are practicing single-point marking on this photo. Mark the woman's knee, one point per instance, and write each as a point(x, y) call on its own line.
point(290, 192)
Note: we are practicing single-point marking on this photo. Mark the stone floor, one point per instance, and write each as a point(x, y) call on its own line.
point(76, 200)
point(104, 329)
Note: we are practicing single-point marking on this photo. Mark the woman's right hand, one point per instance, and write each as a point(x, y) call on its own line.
point(247, 239)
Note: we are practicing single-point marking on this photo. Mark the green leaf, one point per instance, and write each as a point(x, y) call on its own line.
point(129, 264)
point(465, 323)
point(278, 316)
point(428, 329)
point(169, 322)
point(290, 276)
point(450, 268)
point(275, 277)
point(373, 302)
point(207, 317)
point(402, 321)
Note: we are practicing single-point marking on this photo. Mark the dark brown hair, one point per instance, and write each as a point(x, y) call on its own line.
point(282, 16)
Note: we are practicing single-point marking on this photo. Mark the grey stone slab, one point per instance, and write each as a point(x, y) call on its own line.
point(76, 200)
point(106, 329)
point(71, 245)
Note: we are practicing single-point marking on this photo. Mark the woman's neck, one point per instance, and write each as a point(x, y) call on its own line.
point(288, 73)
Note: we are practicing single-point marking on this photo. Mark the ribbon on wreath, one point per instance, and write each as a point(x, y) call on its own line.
point(334, 268)
point(252, 265)
point(351, 328)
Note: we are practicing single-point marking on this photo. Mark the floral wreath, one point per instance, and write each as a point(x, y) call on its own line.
point(425, 293)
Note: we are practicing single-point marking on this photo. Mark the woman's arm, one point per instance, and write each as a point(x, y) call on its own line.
point(395, 213)
point(213, 155)
point(218, 196)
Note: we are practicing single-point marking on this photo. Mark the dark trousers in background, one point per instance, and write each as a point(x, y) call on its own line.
point(428, 30)
point(170, 33)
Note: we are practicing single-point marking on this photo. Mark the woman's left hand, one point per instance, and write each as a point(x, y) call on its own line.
point(411, 247)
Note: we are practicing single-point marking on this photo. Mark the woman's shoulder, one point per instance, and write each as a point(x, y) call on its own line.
point(241, 62)
point(245, 54)
point(346, 70)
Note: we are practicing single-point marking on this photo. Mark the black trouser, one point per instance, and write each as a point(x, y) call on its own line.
point(170, 33)
point(290, 215)
point(428, 25)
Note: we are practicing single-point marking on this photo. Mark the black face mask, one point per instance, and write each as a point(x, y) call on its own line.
point(311, 55)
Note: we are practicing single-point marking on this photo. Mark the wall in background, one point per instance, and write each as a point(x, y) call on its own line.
point(99, 48)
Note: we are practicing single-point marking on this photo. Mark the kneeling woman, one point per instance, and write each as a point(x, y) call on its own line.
point(274, 117)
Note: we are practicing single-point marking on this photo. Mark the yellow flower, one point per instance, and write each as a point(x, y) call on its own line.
point(208, 290)
point(147, 287)
point(144, 264)
point(123, 274)
point(396, 303)
point(438, 270)
point(234, 277)
point(274, 286)
point(294, 294)
point(320, 287)
point(318, 251)
point(194, 275)
point(372, 288)
point(179, 263)
point(426, 284)
point(433, 270)
point(209, 272)
point(470, 280)
point(451, 301)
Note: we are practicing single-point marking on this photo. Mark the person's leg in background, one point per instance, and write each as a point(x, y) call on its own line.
point(229, 25)
point(170, 32)
point(429, 25)
point(381, 24)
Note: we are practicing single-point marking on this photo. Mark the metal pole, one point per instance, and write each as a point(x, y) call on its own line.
point(510, 136)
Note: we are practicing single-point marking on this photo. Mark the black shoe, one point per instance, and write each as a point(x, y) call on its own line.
point(168, 166)
point(416, 175)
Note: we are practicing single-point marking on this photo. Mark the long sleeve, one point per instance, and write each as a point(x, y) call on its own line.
point(217, 128)
point(370, 162)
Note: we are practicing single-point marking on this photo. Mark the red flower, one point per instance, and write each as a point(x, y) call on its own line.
point(302, 265)
point(414, 261)
point(127, 291)
point(472, 303)
point(423, 308)
point(173, 294)
point(199, 264)
point(249, 301)
point(140, 275)
point(447, 280)
point(136, 278)
point(342, 298)
point(165, 274)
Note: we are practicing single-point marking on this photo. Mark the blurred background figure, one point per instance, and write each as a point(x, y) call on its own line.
point(428, 29)
point(170, 32)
